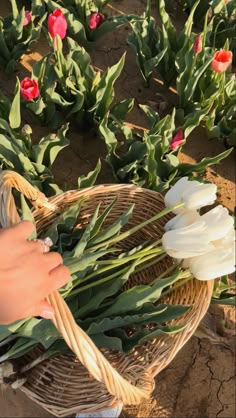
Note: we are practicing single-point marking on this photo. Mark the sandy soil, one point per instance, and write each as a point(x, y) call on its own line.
point(200, 382)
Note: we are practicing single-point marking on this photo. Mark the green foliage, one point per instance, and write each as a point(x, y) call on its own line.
point(221, 121)
point(78, 12)
point(32, 161)
point(71, 89)
point(156, 47)
point(148, 43)
point(89, 179)
point(10, 111)
point(15, 38)
point(202, 7)
point(221, 18)
point(146, 159)
point(223, 292)
point(95, 292)
point(200, 87)
point(174, 57)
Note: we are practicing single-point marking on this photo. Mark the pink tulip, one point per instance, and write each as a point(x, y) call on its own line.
point(221, 61)
point(95, 20)
point(197, 46)
point(177, 140)
point(29, 89)
point(28, 18)
point(57, 24)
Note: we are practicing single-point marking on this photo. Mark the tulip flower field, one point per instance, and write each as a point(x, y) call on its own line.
point(136, 92)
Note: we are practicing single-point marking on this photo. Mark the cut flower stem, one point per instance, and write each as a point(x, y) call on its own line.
point(136, 228)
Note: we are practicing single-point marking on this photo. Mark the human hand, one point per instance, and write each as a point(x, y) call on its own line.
point(27, 275)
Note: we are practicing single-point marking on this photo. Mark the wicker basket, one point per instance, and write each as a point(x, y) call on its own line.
point(95, 379)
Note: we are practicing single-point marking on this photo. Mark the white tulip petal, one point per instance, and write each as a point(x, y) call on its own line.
point(193, 194)
point(199, 195)
point(173, 196)
point(219, 222)
point(183, 219)
point(190, 241)
point(226, 242)
point(186, 263)
point(216, 263)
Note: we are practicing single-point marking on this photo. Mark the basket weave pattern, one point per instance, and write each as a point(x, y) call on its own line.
point(64, 385)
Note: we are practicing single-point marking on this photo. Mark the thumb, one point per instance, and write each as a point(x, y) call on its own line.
point(43, 309)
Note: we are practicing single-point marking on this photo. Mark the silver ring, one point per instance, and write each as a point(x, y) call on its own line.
point(46, 242)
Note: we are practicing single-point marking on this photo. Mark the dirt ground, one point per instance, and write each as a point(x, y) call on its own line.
point(200, 382)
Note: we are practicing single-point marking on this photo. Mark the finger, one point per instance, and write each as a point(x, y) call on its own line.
point(43, 309)
point(59, 276)
point(52, 260)
point(39, 246)
point(56, 279)
point(22, 230)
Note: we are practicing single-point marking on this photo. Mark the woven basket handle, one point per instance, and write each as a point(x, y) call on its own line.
point(78, 341)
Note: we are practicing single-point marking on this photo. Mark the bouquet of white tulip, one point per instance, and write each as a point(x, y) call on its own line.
point(205, 243)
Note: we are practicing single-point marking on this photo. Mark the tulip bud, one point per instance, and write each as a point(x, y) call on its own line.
point(57, 43)
point(197, 45)
point(177, 140)
point(193, 194)
point(26, 130)
point(28, 18)
point(182, 220)
point(187, 242)
point(95, 20)
point(219, 262)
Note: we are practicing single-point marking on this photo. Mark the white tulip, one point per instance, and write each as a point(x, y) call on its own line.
point(219, 222)
point(219, 262)
point(227, 241)
point(173, 196)
point(199, 195)
point(183, 219)
point(193, 194)
point(190, 241)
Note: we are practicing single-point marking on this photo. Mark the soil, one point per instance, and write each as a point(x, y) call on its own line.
point(200, 381)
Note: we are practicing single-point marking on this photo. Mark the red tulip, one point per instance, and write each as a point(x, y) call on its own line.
point(177, 140)
point(28, 18)
point(197, 46)
point(96, 19)
point(57, 24)
point(29, 89)
point(221, 61)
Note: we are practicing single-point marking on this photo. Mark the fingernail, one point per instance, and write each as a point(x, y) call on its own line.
point(47, 313)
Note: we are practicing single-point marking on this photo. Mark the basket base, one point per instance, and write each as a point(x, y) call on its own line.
point(112, 412)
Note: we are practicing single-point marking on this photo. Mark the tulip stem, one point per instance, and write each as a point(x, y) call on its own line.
point(59, 61)
point(141, 261)
point(179, 284)
point(192, 68)
point(106, 265)
point(8, 340)
point(57, 46)
point(136, 228)
point(215, 32)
